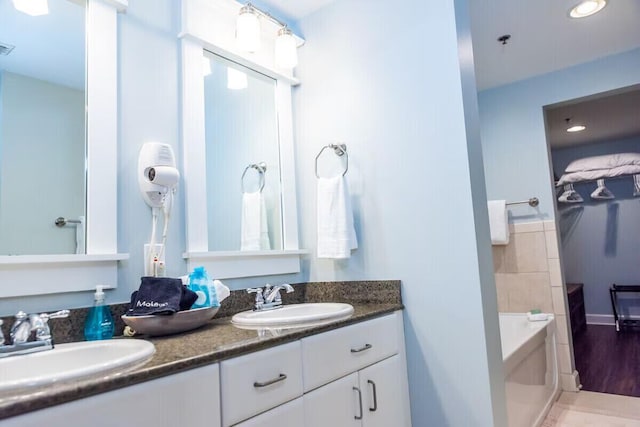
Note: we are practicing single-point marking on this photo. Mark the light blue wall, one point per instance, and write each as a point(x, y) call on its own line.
point(384, 77)
point(513, 133)
point(600, 243)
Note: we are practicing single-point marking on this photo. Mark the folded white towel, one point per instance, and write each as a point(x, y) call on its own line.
point(498, 222)
point(254, 226)
point(336, 233)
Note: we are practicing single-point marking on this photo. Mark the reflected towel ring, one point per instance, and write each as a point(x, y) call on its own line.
point(340, 150)
point(261, 168)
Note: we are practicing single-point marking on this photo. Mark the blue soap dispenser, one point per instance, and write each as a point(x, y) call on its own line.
point(99, 324)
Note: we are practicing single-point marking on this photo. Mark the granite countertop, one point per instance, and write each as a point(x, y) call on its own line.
point(216, 341)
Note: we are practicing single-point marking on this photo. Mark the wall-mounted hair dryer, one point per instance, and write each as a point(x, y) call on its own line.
point(158, 179)
point(157, 173)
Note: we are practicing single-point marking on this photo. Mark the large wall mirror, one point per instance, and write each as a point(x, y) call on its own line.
point(237, 140)
point(42, 129)
point(58, 145)
point(242, 158)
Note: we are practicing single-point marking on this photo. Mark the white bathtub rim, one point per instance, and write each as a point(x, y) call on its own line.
point(548, 324)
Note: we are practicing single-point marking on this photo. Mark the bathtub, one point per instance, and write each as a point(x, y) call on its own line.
point(530, 368)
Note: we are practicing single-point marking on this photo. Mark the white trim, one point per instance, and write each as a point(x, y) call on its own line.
point(228, 265)
point(57, 277)
point(102, 128)
point(60, 259)
point(240, 254)
point(193, 146)
point(119, 5)
point(287, 166)
point(209, 25)
point(606, 319)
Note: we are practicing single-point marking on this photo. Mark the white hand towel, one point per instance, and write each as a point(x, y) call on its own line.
point(498, 222)
point(336, 233)
point(80, 236)
point(254, 227)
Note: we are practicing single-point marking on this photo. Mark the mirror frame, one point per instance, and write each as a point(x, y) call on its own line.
point(79, 272)
point(210, 25)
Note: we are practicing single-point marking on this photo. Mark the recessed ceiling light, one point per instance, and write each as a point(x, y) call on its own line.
point(587, 8)
point(574, 127)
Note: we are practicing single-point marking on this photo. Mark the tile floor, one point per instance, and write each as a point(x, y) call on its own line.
point(590, 409)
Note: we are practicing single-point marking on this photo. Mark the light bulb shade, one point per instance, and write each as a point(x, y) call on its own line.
point(286, 51)
point(32, 7)
point(236, 79)
point(248, 30)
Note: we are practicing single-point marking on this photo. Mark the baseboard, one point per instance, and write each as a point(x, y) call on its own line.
point(605, 319)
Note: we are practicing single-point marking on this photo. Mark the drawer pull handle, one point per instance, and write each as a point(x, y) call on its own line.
point(359, 417)
point(358, 350)
point(281, 377)
point(375, 396)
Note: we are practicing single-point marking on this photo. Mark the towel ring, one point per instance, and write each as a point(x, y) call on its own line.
point(340, 150)
point(261, 168)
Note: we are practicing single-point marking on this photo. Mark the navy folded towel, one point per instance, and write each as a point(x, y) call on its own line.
point(160, 295)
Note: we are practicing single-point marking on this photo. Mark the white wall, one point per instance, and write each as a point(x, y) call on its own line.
point(385, 78)
point(42, 129)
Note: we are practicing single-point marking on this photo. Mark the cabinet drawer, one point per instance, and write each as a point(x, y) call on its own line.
point(259, 381)
point(334, 354)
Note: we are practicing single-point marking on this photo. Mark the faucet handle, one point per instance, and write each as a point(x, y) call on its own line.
point(40, 322)
point(258, 292)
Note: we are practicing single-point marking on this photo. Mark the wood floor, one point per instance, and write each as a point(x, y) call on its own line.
point(608, 361)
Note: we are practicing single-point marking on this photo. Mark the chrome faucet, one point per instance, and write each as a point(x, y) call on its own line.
point(269, 298)
point(21, 331)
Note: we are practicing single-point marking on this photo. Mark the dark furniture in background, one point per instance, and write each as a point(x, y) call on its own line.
point(575, 297)
point(613, 292)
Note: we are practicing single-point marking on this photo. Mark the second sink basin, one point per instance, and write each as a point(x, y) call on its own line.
point(71, 362)
point(293, 315)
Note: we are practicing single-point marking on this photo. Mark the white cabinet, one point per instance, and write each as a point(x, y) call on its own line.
point(191, 398)
point(335, 404)
point(288, 415)
point(259, 381)
point(372, 397)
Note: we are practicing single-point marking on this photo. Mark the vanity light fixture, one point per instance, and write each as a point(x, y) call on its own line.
point(248, 36)
point(574, 128)
point(248, 29)
point(236, 79)
point(32, 7)
point(587, 8)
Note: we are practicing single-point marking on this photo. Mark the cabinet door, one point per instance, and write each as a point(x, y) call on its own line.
point(383, 394)
point(336, 404)
point(190, 398)
point(288, 415)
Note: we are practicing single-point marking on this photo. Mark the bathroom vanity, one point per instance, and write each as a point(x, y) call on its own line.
point(348, 372)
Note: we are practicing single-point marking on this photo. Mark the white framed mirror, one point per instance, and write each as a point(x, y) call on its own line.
point(92, 254)
point(238, 147)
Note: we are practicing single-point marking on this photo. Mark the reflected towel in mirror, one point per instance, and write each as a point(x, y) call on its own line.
point(254, 228)
point(336, 233)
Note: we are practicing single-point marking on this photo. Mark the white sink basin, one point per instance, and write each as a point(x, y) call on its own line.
point(293, 315)
point(71, 362)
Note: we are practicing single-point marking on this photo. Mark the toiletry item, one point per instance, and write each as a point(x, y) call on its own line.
point(222, 291)
point(199, 283)
point(99, 324)
point(536, 315)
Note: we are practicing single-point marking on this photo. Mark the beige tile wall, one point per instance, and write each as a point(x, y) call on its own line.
point(528, 275)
